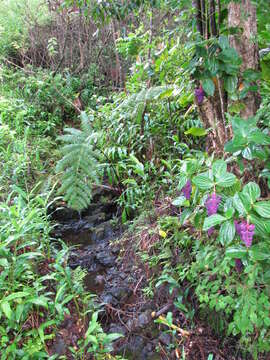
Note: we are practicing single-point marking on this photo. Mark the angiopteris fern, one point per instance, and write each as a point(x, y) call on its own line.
point(79, 165)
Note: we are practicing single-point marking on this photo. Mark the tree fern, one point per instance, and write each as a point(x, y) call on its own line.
point(79, 165)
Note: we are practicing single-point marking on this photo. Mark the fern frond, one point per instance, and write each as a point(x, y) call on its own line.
point(79, 165)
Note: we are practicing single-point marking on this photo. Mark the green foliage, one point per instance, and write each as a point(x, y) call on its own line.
point(14, 28)
point(208, 261)
point(78, 165)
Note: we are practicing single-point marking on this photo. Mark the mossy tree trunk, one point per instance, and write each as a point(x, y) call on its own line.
point(212, 111)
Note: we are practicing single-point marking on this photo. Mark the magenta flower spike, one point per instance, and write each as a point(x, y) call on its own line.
point(199, 93)
point(245, 231)
point(187, 190)
point(211, 205)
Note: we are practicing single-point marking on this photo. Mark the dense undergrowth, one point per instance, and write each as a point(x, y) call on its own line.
point(209, 235)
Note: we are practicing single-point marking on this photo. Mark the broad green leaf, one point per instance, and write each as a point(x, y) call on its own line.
point(247, 153)
point(40, 301)
point(6, 309)
point(219, 168)
point(259, 138)
point(237, 252)
point(226, 180)
point(227, 232)
point(4, 263)
point(229, 213)
point(238, 204)
point(246, 202)
point(263, 208)
point(182, 182)
point(212, 221)
point(223, 42)
point(179, 201)
point(196, 131)
point(208, 86)
point(230, 84)
point(259, 252)
point(17, 295)
point(202, 181)
point(236, 144)
point(251, 75)
point(252, 191)
point(260, 225)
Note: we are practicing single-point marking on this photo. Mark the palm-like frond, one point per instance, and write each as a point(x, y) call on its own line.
point(78, 166)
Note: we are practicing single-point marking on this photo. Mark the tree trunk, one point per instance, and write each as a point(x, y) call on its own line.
point(242, 15)
point(212, 109)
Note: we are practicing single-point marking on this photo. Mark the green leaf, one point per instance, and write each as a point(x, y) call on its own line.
point(246, 202)
point(252, 191)
point(212, 221)
point(260, 225)
point(114, 336)
point(6, 309)
point(251, 75)
point(40, 301)
point(227, 232)
point(238, 204)
point(223, 42)
point(247, 153)
point(259, 252)
point(263, 208)
point(202, 181)
point(236, 144)
point(196, 131)
point(219, 168)
point(208, 86)
point(182, 182)
point(226, 180)
point(230, 84)
point(236, 252)
point(179, 201)
point(229, 213)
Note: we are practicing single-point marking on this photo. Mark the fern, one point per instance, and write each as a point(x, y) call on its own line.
point(79, 165)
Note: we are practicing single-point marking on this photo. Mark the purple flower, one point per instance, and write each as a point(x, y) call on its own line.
point(199, 93)
point(187, 190)
point(238, 265)
point(211, 205)
point(245, 231)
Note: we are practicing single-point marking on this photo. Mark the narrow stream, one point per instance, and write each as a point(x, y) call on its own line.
point(114, 282)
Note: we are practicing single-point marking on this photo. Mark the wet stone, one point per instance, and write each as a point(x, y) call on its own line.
point(59, 346)
point(121, 293)
point(117, 329)
point(165, 339)
point(144, 319)
point(105, 259)
point(109, 299)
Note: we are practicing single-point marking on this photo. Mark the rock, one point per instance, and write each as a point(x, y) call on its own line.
point(98, 233)
point(59, 346)
point(117, 329)
point(99, 280)
point(136, 344)
point(105, 258)
point(144, 319)
point(115, 250)
point(109, 299)
point(96, 218)
point(121, 293)
point(165, 339)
